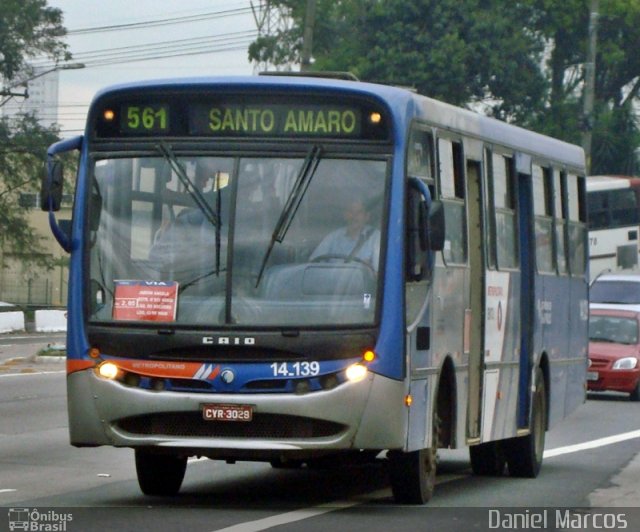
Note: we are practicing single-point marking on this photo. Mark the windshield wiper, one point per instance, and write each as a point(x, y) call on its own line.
point(197, 279)
point(290, 208)
point(212, 217)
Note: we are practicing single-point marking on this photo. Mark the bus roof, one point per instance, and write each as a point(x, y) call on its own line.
point(403, 103)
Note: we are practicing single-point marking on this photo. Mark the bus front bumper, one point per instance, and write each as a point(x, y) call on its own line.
point(370, 414)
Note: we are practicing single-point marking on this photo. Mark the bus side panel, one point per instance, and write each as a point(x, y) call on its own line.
point(553, 312)
point(578, 346)
point(449, 300)
point(502, 343)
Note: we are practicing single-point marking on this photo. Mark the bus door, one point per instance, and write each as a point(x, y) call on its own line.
point(499, 298)
point(527, 286)
point(474, 321)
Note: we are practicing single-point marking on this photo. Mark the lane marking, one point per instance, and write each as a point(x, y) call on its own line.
point(601, 442)
point(8, 490)
point(314, 511)
point(29, 374)
point(289, 517)
point(306, 513)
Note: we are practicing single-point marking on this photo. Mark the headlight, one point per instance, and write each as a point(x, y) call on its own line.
point(108, 370)
point(626, 363)
point(356, 372)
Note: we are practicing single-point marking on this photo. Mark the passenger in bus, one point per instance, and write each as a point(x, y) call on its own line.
point(357, 240)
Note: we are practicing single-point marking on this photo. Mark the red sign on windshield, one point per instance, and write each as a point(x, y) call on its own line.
point(145, 300)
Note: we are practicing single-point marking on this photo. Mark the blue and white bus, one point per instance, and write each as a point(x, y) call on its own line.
point(300, 270)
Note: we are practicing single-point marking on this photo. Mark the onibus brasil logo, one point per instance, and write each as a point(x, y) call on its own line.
point(38, 521)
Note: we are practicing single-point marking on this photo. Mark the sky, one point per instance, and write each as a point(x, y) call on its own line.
point(222, 28)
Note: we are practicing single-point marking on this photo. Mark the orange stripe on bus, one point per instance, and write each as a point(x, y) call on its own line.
point(79, 365)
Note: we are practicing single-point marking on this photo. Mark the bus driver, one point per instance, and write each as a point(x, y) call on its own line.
point(356, 240)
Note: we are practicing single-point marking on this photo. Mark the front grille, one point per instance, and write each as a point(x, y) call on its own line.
point(598, 363)
point(263, 426)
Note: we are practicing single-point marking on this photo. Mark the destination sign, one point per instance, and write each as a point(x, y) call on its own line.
point(275, 120)
point(220, 116)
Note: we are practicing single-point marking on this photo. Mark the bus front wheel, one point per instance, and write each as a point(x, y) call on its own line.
point(159, 474)
point(413, 475)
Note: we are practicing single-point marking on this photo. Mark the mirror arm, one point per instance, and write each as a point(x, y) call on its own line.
point(423, 189)
point(61, 237)
point(62, 146)
point(74, 143)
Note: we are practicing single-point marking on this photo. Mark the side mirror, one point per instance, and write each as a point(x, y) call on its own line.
point(436, 226)
point(52, 185)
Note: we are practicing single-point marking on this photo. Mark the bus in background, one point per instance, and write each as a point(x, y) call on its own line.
point(614, 223)
point(260, 271)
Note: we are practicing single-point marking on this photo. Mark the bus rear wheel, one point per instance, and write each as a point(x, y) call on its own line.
point(487, 459)
point(160, 474)
point(524, 454)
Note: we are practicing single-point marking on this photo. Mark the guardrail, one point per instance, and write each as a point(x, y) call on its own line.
point(45, 321)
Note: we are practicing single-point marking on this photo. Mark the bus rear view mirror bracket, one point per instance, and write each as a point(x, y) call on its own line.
point(436, 226)
point(53, 186)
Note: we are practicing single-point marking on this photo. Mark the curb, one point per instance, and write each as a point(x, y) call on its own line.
point(47, 359)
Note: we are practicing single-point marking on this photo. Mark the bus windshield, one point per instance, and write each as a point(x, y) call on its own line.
point(230, 240)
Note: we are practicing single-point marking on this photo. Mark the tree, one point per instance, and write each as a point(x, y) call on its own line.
point(29, 28)
point(460, 51)
point(22, 157)
point(521, 62)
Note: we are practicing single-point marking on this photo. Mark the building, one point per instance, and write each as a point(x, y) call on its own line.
point(42, 97)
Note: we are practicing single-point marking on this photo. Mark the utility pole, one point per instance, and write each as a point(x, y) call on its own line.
point(307, 36)
point(271, 21)
point(589, 83)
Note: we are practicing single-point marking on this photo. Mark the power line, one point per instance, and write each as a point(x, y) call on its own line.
point(162, 22)
point(96, 54)
point(240, 44)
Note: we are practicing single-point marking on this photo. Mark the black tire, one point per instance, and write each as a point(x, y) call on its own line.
point(160, 474)
point(635, 394)
point(413, 475)
point(487, 459)
point(524, 454)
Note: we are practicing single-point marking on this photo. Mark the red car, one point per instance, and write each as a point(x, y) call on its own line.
point(614, 352)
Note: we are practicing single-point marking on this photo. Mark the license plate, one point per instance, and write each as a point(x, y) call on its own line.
point(592, 375)
point(227, 412)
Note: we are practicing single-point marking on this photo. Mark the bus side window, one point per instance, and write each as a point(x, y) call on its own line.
point(543, 221)
point(577, 227)
point(598, 207)
point(560, 213)
point(420, 160)
point(623, 207)
point(504, 203)
point(452, 193)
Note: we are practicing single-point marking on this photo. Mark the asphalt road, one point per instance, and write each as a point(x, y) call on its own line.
point(591, 466)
